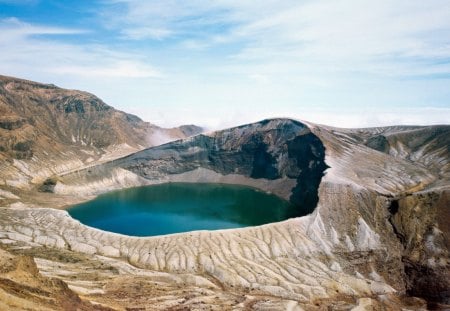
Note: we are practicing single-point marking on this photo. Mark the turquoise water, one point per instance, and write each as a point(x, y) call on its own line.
point(180, 207)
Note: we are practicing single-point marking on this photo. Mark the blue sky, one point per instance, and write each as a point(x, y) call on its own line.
point(218, 63)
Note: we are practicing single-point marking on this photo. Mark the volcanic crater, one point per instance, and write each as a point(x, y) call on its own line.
point(375, 232)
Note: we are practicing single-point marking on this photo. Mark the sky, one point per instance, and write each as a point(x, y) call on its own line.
point(220, 63)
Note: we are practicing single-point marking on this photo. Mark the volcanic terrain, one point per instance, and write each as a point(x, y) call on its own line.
point(376, 234)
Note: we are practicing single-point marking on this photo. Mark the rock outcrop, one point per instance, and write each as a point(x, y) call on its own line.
point(22, 287)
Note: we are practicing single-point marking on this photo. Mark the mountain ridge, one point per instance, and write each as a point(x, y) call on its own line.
point(62, 129)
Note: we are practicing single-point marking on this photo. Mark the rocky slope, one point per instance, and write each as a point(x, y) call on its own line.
point(46, 130)
point(375, 237)
point(22, 287)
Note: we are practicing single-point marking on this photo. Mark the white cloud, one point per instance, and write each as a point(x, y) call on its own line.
point(116, 69)
point(395, 116)
point(225, 117)
point(223, 62)
point(345, 35)
point(12, 29)
point(260, 78)
point(140, 19)
point(375, 37)
point(139, 33)
point(27, 49)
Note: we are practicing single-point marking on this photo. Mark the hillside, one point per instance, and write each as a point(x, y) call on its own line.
point(45, 130)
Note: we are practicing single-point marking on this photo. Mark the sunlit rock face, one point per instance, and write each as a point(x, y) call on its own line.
point(377, 233)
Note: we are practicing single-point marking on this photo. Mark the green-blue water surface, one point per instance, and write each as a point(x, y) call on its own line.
point(180, 207)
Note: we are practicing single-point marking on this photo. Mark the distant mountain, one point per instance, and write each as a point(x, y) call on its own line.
point(41, 122)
